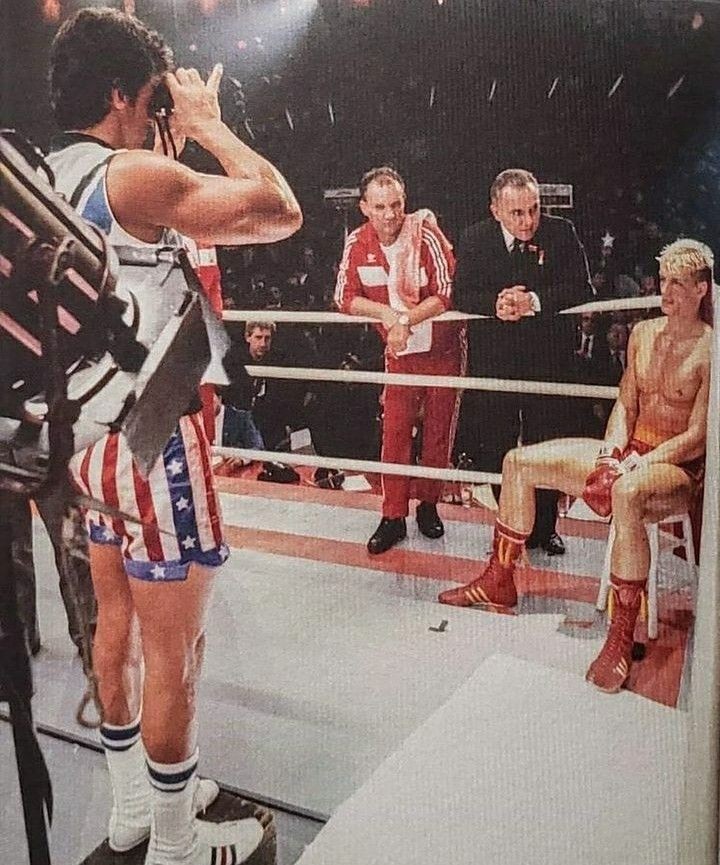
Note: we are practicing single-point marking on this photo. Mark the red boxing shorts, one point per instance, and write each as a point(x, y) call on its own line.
point(694, 468)
point(177, 503)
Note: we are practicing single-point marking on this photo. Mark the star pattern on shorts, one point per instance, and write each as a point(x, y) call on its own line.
point(182, 504)
point(158, 572)
point(189, 542)
point(108, 534)
point(175, 467)
point(608, 240)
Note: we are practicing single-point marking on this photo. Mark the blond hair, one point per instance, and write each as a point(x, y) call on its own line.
point(686, 256)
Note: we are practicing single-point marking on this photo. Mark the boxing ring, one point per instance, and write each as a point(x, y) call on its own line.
point(694, 755)
point(288, 720)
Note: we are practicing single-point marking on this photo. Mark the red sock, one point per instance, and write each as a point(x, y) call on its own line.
point(508, 544)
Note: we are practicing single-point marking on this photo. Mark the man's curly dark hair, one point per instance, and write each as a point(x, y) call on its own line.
point(94, 51)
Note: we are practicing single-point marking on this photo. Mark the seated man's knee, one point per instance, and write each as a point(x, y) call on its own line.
point(628, 496)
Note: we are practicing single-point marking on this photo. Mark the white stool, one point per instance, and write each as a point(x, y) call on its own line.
point(655, 531)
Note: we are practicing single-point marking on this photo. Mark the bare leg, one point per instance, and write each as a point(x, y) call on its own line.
point(172, 623)
point(118, 667)
point(116, 650)
point(646, 495)
point(561, 464)
point(172, 617)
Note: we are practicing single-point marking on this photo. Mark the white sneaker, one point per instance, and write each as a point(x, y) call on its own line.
point(231, 842)
point(123, 836)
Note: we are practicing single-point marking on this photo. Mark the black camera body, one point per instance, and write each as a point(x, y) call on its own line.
point(162, 102)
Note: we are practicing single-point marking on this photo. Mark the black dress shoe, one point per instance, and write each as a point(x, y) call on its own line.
point(554, 545)
point(386, 535)
point(428, 520)
point(533, 542)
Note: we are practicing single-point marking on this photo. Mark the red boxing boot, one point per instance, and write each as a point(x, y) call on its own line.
point(610, 670)
point(495, 587)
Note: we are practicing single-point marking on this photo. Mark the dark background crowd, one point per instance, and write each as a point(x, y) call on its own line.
point(616, 97)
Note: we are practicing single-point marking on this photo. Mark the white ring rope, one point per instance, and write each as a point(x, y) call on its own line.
point(300, 316)
point(648, 302)
point(408, 471)
point(369, 377)
point(500, 385)
point(293, 316)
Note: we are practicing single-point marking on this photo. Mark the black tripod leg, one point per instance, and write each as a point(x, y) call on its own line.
point(16, 690)
point(34, 784)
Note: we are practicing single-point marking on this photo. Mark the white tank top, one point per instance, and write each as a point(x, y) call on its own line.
point(89, 159)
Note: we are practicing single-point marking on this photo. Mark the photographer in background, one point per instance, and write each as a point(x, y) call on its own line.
point(239, 429)
point(105, 70)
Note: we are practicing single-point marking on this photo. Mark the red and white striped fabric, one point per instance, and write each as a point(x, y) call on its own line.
point(364, 272)
point(177, 503)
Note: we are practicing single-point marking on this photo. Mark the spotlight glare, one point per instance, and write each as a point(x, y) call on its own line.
point(50, 10)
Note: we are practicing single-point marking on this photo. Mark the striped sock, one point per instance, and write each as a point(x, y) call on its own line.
point(177, 838)
point(508, 544)
point(173, 839)
point(130, 815)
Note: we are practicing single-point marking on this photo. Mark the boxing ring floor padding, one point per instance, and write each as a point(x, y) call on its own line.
point(321, 522)
point(523, 765)
point(316, 672)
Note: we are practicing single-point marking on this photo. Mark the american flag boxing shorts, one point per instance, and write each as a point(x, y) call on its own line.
point(177, 503)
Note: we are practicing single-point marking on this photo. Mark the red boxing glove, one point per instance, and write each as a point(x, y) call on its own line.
point(597, 494)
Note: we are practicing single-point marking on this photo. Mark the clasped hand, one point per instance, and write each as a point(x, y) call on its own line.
point(397, 338)
point(513, 303)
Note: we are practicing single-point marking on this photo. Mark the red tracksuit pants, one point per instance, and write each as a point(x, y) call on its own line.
point(403, 407)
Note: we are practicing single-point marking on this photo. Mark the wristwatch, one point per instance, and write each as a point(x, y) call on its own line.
point(404, 319)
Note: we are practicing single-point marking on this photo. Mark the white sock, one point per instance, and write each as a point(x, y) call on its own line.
point(130, 815)
point(172, 838)
point(177, 838)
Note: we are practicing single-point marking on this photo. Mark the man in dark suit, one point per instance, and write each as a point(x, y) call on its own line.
point(521, 267)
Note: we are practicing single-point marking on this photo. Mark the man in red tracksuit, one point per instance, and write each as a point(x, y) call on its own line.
point(398, 268)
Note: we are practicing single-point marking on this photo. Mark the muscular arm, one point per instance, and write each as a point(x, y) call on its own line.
point(148, 192)
point(624, 414)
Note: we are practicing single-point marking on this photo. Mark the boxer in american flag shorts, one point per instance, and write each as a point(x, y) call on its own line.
point(177, 503)
point(154, 579)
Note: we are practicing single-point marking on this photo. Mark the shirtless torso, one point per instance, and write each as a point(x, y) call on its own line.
point(669, 373)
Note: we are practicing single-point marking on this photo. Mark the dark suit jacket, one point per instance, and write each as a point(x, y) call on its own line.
point(553, 266)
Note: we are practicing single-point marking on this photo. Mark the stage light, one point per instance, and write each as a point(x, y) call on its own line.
point(50, 10)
